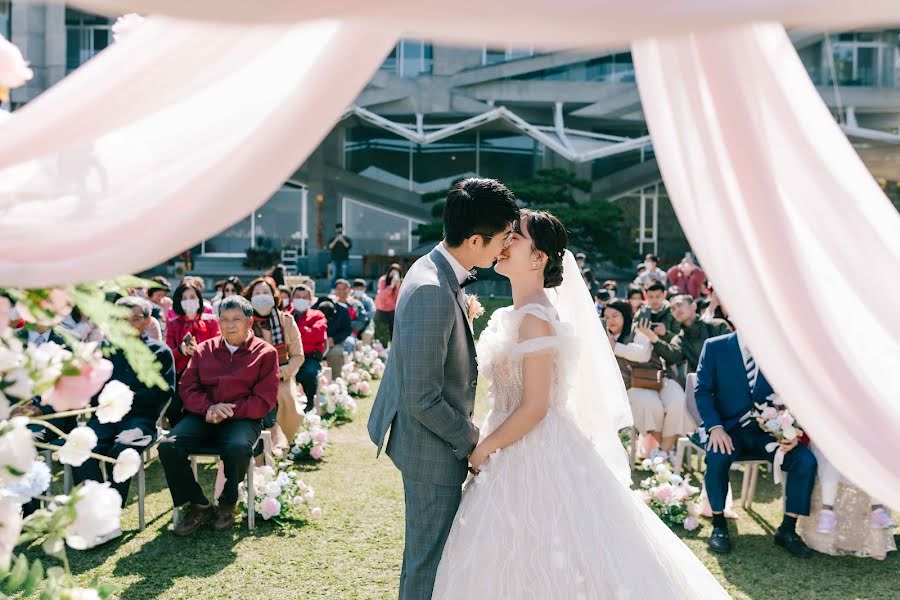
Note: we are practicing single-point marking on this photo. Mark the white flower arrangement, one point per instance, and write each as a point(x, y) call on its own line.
point(281, 495)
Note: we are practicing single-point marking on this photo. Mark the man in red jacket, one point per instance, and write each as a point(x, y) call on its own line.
point(229, 385)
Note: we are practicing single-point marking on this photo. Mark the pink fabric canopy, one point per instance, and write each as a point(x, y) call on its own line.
point(177, 132)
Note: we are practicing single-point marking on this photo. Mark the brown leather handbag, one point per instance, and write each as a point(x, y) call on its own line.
point(647, 379)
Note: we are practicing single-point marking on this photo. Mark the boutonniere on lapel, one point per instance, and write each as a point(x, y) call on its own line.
point(473, 308)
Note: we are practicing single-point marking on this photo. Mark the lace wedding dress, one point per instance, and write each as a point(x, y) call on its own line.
point(546, 518)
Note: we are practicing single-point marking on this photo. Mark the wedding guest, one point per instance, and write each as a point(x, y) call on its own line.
point(652, 273)
point(158, 295)
point(359, 293)
point(138, 428)
point(313, 333)
point(729, 384)
point(849, 522)
point(84, 330)
point(386, 303)
point(231, 286)
point(185, 332)
point(612, 286)
point(280, 330)
point(277, 273)
point(635, 298)
point(659, 312)
point(688, 277)
point(660, 413)
point(229, 385)
point(687, 344)
point(338, 318)
point(340, 246)
point(284, 297)
point(201, 283)
point(358, 317)
point(672, 291)
point(713, 308)
point(601, 299)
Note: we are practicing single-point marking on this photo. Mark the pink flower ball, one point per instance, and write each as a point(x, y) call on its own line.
point(317, 452)
point(321, 436)
point(74, 392)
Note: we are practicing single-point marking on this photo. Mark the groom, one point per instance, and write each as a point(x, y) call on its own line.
point(427, 395)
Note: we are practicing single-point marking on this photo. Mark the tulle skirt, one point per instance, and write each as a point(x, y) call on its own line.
point(546, 519)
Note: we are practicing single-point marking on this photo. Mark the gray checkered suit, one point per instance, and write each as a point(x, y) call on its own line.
point(427, 398)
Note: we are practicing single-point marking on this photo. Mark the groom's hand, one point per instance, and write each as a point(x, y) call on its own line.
point(719, 441)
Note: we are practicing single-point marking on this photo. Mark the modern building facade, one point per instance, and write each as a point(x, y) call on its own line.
point(433, 114)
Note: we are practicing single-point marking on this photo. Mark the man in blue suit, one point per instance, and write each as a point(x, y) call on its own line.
point(729, 383)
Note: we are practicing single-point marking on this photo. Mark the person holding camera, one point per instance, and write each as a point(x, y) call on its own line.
point(313, 332)
point(340, 246)
point(386, 303)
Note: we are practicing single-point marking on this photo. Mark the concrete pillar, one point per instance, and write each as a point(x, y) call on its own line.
point(40, 32)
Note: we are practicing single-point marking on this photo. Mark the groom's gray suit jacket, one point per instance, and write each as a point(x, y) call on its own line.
point(427, 395)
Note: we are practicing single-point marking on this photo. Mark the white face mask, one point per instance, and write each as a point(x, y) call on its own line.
point(190, 307)
point(301, 304)
point(263, 304)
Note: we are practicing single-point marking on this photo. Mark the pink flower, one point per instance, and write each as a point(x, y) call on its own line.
point(269, 508)
point(74, 392)
point(317, 452)
point(316, 513)
point(786, 419)
point(769, 412)
point(665, 493)
point(320, 436)
point(691, 523)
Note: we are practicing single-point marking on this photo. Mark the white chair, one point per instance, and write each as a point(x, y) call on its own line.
point(265, 438)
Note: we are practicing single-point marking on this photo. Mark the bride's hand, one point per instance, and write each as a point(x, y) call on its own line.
point(476, 459)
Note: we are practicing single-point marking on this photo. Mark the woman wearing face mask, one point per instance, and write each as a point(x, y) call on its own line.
point(284, 294)
point(386, 303)
point(313, 328)
point(279, 329)
point(190, 327)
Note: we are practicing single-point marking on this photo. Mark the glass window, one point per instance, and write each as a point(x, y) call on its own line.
point(493, 56)
point(508, 156)
point(865, 59)
point(278, 222)
point(86, 35)
point(390, 63)
point(415, 58)
point(438, 165)
point(377, 154)
point(6, 19)
point(234, 240)
point(377, 231)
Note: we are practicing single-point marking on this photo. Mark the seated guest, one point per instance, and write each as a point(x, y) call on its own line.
point(190, 327)
point(229, 385)
point(313, 332)
point(688, 277)
point(849, 521)
point(601, 299)
point(231, 286)
point(157, 294)
point(146, 407)
point(662, 412)
point(359, 292)
point(279, 329)
point(284, 297)
point(339, 329)
point(612, 286)
point(729, 383)
point(651, 273)
point(635, 298)
point(357, 312)
point(658, 312)
point(686, 345)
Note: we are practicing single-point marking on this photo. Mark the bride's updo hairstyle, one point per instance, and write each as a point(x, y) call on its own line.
point(548, 235)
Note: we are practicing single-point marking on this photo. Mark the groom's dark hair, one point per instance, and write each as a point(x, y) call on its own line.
point(477, 206)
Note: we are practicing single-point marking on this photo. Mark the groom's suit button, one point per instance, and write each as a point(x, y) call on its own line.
point(475, 383)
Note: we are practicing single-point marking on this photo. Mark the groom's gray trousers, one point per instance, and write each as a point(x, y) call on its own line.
point(426, 399)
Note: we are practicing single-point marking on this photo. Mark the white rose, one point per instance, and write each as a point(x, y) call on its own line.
point(283, 479)
point(114, 401)
point(303, 438)
point(79, 444)
point(10, 359)
point(316, 512)
point(17, 451)
point(127, 465)
point(273, 490)
point(10, 527)
point(20, 382)
point(98, 509)
point(34, 483)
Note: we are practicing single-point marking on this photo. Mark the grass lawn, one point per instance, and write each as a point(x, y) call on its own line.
point(355, 550)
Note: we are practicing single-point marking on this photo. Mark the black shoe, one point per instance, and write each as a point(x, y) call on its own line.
point(790, 541)
point(719, 542)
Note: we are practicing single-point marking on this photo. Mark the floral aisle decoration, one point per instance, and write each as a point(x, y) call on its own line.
point(311, 441)
point(65, 378)
point(281, 496)
point(367, 359)
point(669, 495)
point(336, 401)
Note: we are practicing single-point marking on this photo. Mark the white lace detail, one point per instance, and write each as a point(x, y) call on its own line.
point(500, 354)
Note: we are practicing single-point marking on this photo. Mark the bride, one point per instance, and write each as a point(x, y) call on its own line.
point(548, 513)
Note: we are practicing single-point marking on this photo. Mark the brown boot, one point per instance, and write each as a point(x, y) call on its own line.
point(192, 518)
point(224, 517)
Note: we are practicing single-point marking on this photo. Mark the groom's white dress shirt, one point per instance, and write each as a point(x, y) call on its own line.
point(460, 271)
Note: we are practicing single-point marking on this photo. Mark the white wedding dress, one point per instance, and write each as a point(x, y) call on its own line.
point(547, 518)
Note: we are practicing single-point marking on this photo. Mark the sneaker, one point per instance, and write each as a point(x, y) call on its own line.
point(827, 521)
point(881, 519)
point(193, 517)
point(224, 517)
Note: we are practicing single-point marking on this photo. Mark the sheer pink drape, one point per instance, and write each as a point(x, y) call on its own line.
point(803, 246)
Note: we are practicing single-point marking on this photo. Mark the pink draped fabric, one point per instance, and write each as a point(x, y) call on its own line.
point(167, 138)
point(558, 24)
point(801, 243)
